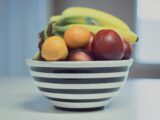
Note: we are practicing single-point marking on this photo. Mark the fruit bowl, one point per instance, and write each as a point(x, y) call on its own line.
point(79, 85)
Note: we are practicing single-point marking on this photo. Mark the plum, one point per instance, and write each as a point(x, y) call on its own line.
point(127, 50)
point(80, 55)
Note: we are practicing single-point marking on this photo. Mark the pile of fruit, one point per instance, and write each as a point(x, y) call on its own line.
point(85, 34)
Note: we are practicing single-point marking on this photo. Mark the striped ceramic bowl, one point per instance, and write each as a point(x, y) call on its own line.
point(79, 85)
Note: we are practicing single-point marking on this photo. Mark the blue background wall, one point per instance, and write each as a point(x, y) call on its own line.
point(20, 21)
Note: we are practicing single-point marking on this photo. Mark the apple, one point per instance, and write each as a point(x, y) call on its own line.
point(127, 50)
point(89, 46)
point(107, 45)
point(80, 55)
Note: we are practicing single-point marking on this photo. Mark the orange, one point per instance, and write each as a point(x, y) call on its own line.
point(77, 37)
point(54, 48)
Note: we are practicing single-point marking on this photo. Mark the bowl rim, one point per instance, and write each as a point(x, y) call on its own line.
point(72, 64)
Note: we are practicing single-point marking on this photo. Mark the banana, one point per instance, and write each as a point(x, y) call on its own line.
point(37, 56)
point(45, 32)
point(79, 19)
point(82, 15)
point(92, 19)
point(128, 35)
point(54, 19)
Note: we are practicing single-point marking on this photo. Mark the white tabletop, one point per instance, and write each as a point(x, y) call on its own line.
point(20, 100)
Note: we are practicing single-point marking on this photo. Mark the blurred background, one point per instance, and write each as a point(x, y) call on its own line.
point(21, 20)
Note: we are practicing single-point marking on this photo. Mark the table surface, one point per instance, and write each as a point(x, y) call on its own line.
point(139, 99)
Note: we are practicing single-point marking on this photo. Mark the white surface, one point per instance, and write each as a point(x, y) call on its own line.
point(20, 100)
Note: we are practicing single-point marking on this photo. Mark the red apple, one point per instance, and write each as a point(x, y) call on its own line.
point(89, 46)
point(108, 45)
point(127, 50)
point(80, 55)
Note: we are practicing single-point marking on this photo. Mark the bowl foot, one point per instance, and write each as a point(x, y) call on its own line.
point(80, 109)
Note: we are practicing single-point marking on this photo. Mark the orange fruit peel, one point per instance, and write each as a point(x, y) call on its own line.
point(54, 48)
point(77, 37)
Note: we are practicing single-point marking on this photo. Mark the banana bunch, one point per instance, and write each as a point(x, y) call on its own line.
point(92, 19)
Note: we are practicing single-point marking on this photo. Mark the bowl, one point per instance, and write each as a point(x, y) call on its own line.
point(79, 85)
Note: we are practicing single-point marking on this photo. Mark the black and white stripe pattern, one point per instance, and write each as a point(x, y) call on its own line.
point(79, 85)
point(79, 70)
